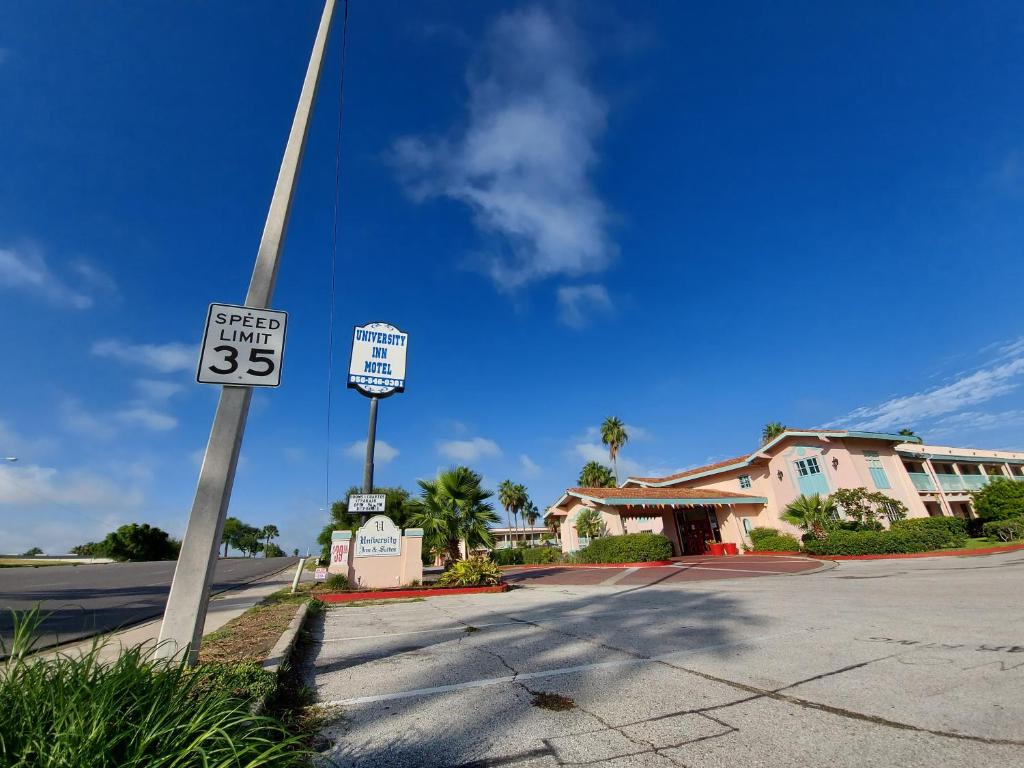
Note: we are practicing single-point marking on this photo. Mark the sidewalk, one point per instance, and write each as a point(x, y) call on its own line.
point(224, 606)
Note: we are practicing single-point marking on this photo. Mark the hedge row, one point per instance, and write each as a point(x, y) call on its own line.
point(629, 548)
point(526, 556)
point(953, 526)
point(899, 540)
point(1005, 530)
point(770, 540)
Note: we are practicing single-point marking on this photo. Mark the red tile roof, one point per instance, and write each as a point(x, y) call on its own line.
point(694, 471)
point(657, 493)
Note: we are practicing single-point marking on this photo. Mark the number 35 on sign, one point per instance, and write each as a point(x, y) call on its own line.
point(242, 346)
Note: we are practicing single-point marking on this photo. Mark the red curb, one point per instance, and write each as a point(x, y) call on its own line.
point(906, 555)
point(393, 594)
point(781, 552)
point(650, 564)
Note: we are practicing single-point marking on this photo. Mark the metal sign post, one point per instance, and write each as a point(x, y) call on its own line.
point(185, 615)
point(376, 369)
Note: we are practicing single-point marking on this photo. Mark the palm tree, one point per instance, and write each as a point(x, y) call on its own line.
point(588, 523)
point(613, 434)
point(551, 521)
point(772, 430)
point(507, 499)
point(812, 513)
point(269, 532)
point(908, 432)
point(520, 500)
point(531, 515)
point(453, 509)
point(596, 475)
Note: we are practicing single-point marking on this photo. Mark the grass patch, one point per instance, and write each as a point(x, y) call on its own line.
point(553, 701)
point(251, 636)
point(369, 601)
point(471, 629)
point(135, 712)
point(982, 542)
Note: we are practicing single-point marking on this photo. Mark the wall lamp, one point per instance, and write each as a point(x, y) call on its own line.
point(779, 474)
point(835, 462)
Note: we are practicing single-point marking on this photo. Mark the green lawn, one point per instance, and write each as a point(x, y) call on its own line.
point(982, 542)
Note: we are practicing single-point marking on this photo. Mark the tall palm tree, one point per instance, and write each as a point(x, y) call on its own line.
point(520, 499)
point(453, 510)
point(531, 514)
point(553, 525)
point(596, 475)
point(269, 532)
point(507, 499)
point(908, 432)
point(613, 434)
point(812, 513)
point(771, 430)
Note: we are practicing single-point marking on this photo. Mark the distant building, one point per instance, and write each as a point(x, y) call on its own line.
point(725, 500)
point(535, 536)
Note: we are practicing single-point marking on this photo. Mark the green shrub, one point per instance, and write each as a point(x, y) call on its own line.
point(337, 582)
point(1005, 530)
point(135, 712)
point(877, 542)
point(999, 499)
point(507, 556)
point(941, 531)
point(473, 572)
point(541, 555)
point(629, 548)
point(770, 540)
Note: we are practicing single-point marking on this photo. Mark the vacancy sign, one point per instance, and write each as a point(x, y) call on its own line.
point(366, 503)
point(242, 346)
point(377, 365)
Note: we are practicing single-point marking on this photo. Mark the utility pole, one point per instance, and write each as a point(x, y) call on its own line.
point(185, 615)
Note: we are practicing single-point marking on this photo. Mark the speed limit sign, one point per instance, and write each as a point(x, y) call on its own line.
point(242, 346)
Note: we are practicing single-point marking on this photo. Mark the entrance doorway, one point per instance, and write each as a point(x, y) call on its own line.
point(694, 530)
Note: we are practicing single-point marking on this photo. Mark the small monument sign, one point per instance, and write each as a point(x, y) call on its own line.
point(379, 537)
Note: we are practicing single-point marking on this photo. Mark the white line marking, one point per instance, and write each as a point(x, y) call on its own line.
point(459, 628)
point(632, 662)
point(618, 577)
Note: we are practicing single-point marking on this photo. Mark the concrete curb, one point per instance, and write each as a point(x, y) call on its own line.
point(404, 594)
point(914, 555)
point(645, 564)
point(282, 650)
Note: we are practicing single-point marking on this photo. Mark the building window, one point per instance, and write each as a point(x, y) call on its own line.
point(807, 467)
point(744, 481)
point(747, 526)
point(892, 513)
point(878, 475)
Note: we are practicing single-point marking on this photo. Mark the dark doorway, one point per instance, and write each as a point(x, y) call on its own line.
point(694, 530)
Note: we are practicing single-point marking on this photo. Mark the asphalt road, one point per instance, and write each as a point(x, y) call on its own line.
point(86, 599)
point(910, 663)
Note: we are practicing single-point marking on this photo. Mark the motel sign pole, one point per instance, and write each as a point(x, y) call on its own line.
point(371, 443)
point(185, 615)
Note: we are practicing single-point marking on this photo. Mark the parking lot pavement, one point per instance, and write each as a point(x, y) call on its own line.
point(908, 663)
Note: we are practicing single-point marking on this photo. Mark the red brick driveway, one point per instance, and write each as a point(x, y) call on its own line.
point(682, 570)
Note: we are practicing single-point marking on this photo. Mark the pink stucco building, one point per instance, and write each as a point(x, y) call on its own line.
point(725, 500)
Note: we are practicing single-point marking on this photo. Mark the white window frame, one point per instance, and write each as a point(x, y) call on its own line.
point(745, 482)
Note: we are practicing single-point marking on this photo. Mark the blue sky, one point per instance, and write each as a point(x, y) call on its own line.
point(696, 219)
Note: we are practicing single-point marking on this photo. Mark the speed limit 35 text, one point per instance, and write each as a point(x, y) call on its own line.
point(236, 323)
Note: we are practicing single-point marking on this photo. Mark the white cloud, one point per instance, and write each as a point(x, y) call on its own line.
point(156, 389)
point(77, 418)
point(37, 486)
point(528, 467)
point(14, 444)
point(577, 304)
point(1000, 377)
point(523, 162)
point(585, 452)
point(165, 358)
point(148, 418)
point(383, 452)
point(474, 449)
point(26, 269)
point(976, 421)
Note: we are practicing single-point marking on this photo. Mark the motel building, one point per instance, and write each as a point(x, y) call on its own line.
point(523, 536)
point(724, 501)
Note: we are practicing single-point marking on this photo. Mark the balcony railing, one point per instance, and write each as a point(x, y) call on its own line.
point(973, 482)
point(923, 482)
point(950, 482)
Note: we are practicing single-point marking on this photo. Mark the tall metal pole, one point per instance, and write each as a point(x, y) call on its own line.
point(371, 442)
point(185, 615)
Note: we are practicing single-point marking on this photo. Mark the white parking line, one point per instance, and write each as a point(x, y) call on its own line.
point(632, 662)
point(618, 577)
point(459, 628)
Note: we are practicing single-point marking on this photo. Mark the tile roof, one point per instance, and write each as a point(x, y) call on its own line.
point(693, 471)
point(658, 493)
